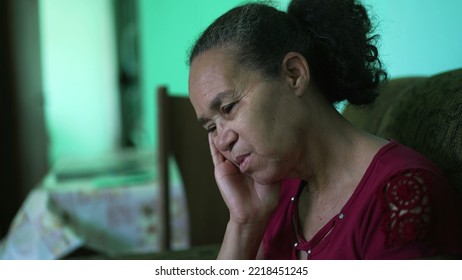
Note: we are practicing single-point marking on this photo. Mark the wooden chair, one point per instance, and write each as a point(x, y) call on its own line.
point(181, 136)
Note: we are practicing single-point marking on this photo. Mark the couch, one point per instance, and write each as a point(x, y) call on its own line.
point(424, 113)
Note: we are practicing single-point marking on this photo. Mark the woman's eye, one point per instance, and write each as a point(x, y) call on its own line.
point(211, 128)
point(228, 108)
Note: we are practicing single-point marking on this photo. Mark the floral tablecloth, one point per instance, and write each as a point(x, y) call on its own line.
point(107, 203)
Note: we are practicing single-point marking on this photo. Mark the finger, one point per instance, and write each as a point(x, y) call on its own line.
point(217, 157)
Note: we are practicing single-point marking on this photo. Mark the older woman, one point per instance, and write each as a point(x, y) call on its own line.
point(299, 180)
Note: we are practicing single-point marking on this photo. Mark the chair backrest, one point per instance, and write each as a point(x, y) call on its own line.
point(423, 113)
point(181, 136)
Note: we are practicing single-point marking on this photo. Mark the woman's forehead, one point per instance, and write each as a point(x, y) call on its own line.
point(212, 62)
point(213, 71)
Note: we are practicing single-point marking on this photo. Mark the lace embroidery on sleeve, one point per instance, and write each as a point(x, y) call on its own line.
point(406, 205)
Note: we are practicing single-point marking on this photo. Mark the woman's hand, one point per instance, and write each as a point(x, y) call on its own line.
point(248, 202)
point(250, 205)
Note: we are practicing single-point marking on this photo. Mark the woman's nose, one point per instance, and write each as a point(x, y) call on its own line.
point(226, 139)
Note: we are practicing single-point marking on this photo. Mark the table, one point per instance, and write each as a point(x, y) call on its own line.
point(108, 203)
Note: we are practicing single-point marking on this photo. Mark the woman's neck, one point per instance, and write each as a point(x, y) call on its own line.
point(336, 153)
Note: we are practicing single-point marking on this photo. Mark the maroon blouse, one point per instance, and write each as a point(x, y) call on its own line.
point(403, 208)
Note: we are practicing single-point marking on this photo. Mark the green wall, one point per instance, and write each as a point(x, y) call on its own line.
point(419, 37)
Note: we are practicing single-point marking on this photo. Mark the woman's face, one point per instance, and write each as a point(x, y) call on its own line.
point(254, 122)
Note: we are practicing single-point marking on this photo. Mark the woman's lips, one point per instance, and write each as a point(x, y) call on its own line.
point(243, 162)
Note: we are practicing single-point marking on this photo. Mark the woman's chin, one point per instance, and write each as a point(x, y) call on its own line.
point(266, 179)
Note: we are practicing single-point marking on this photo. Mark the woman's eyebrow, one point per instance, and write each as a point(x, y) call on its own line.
point(218, 100)
point(203, 121)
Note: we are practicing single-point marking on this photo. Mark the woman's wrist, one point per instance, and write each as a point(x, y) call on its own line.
point(242, 240)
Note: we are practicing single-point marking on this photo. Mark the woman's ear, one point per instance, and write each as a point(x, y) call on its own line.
point(296, 72)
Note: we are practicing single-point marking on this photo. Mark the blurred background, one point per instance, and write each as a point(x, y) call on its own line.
point(78, 77)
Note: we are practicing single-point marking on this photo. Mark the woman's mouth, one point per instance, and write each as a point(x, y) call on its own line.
point(243, 162)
